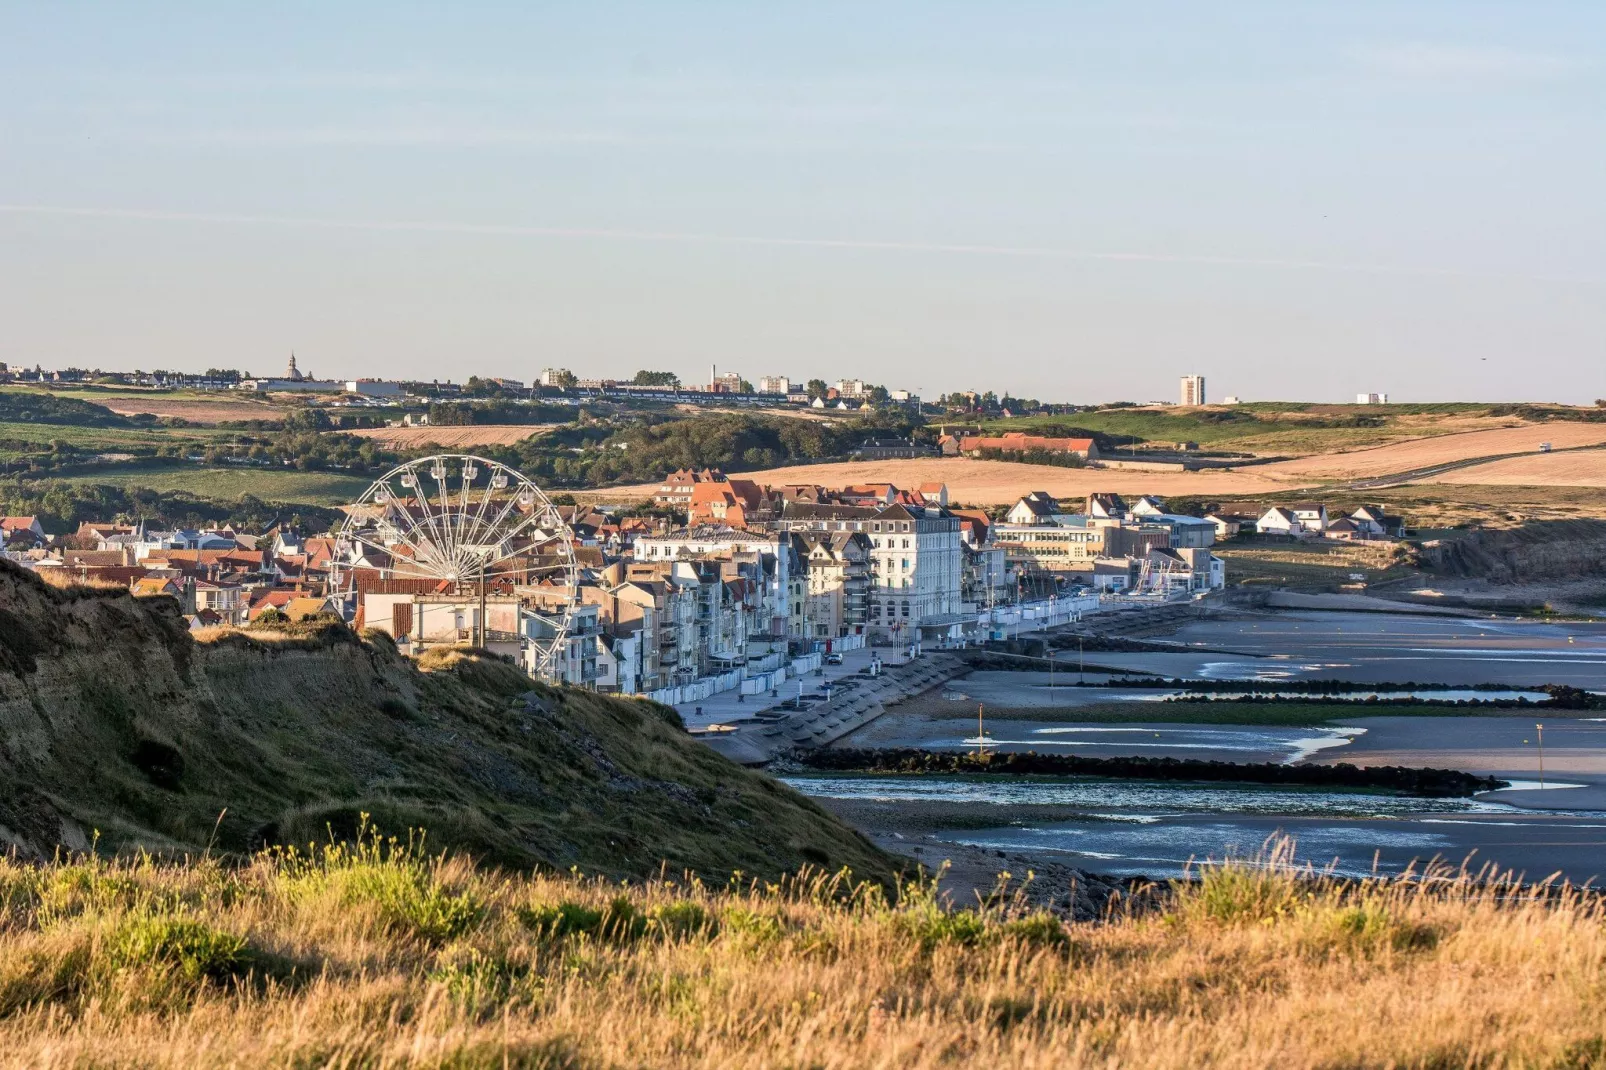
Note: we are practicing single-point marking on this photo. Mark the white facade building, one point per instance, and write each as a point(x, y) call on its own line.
point(916, 564)
point(374, 388)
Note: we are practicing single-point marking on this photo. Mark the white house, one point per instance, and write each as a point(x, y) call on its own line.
point(1037, 507)
point(1279, 521)
point(619, 662)
point(1106, 506)
point(1313, 515)
point(21, 528)
point(1148, 506)
point(1372, 520)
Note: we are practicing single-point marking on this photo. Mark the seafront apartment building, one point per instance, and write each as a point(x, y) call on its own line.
point(916, 563)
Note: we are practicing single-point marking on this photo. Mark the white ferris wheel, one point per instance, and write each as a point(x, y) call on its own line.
point(474, 525)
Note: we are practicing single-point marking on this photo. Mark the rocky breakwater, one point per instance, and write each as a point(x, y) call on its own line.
point(1429, 783)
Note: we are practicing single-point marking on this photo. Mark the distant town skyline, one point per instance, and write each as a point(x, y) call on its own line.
point(1300, 203)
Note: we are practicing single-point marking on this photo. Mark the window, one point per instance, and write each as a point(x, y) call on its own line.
point(906, 609)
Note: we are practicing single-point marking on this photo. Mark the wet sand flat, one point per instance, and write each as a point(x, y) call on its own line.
point(1507, 747)
point(1380, 648)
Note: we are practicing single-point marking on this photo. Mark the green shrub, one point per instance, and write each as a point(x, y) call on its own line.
point(1236, 893)
point(1368, 927)
point(681, 919)
point(1039, 928)
point(478, 982)
point(930, 925)
point(79, 888)
point(752, 926)
point(396, 879)
point(619, 921)
point(187, 947)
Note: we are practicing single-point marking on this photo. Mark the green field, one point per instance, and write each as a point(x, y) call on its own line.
point(108, 439)
point(1268, 427)
point(230, 483)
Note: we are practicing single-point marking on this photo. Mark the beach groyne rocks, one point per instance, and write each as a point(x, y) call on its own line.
point(1430, 783)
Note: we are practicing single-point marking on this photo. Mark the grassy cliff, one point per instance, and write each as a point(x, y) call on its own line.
point(115, 722)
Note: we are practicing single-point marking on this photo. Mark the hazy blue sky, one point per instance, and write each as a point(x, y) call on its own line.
point(1069, 200)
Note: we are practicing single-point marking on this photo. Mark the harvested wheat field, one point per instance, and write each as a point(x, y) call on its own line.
point(377, 955)
point(816, 415)
point(1440, 449)
point(196, 412)
point(411, 438)
point(1585, 468)
point(998, 482)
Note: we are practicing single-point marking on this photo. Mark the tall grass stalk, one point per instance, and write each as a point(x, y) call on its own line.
point(378, 953)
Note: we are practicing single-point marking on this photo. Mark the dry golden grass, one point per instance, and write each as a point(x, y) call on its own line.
point(1585, 468)
point(975, 482)
point(1425, 452)
point(197, 412)
point(66, 579)
point(379, 956)
point(411, 438)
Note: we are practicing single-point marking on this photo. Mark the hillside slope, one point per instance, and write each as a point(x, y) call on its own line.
point(114, 721)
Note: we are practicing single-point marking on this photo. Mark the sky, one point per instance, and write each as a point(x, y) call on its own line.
point(1077, 201)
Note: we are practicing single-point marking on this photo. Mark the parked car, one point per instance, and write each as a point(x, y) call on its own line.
point(833, 659)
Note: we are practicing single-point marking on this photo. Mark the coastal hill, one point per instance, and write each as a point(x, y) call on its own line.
point(115, 723)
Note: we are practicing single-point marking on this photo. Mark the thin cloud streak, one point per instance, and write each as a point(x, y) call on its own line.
point(852, 244)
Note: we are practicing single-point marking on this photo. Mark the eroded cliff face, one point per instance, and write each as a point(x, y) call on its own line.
point(1537, 552)
point(117, 727)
